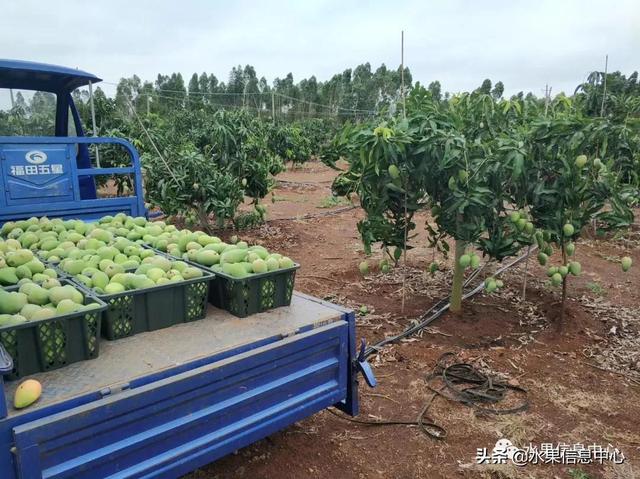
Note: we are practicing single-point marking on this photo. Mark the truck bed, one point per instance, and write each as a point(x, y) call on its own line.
point(123, 361)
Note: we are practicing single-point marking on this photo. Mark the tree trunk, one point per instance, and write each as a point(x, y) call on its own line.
point(526, 271)
point(564, 291)
point(203, 218)
point(458, 279)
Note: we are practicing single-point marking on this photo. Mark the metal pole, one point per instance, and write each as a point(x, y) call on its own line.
point(404, 115)
point(13, 102)
point(547, 98)
point(93, 120)
point(604, 91)
point(273, 106)
point(404, 103)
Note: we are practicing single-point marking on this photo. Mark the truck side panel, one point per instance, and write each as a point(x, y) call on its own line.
point(179, 423)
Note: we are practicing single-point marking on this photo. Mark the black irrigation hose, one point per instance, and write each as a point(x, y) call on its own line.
point(464, 384)
point(483, 389)
point(428, 427)
point(477, 388)
point(441, 307)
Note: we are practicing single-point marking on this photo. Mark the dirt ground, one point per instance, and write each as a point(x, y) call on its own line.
point(573, 398)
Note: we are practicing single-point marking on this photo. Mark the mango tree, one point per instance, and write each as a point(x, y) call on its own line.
point(384, 177)
point(216, 159)
point(467, 167)
point(569, 186)
point(187, 183)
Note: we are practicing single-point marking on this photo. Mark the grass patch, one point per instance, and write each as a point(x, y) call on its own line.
point(331, 201)
point(578, 474)
point(596, 288)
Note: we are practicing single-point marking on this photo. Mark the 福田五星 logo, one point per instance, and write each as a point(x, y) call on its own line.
point(35, 157)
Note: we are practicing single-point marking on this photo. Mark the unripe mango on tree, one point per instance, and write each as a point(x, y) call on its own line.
point(394, 172)
point(568, 229)
point(575, 268)
point(465, 260)
point(570, 248)
point(542, 258)
point(529, 228)
point(581, 161)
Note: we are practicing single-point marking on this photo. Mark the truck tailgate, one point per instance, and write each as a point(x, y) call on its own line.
point(180, 422)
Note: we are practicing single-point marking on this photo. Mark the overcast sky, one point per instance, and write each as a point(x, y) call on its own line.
point(523, 43)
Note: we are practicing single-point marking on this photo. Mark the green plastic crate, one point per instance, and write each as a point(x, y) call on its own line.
point(136, 311)
point(55, 342)
point(245, 296)
point(254, 294)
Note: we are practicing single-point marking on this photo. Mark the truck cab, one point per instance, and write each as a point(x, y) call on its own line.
point(46, 165)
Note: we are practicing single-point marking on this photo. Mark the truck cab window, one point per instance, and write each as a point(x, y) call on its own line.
point(27, 113)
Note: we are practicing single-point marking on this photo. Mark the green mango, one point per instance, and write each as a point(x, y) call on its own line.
point(12, 303)
point(235, 270)
point(38, 295)
point(8, 276)
point(23, 271)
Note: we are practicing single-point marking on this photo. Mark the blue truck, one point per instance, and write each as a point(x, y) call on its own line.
point(161, 403)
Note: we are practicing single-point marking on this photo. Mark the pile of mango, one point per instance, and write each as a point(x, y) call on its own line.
point(34, 301)
point(110, 278)
point(242, 261)
point(206, 250)
point(31, 291)
point(109, 256)
point(17, 263)
point(124, 265)
point(236, 259)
